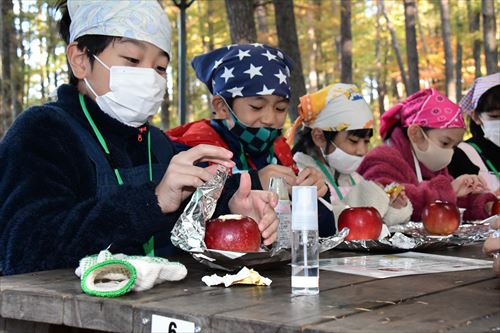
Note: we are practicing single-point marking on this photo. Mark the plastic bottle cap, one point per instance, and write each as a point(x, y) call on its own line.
point(304, 208)
point(278, 185)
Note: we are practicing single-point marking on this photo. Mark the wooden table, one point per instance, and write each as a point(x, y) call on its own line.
point(467, 301)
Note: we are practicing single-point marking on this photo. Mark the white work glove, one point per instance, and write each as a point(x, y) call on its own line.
point(111, 275)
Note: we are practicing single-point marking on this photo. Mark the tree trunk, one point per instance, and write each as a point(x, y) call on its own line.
point(411, 46)
point(28, 71)
point(448, 55)
point(51, 48)
point(382, 90)
point(489, 36)
point(7, 30)
point(395, 46)
point(42, 84)
point(425, 48)
point(381, 85)
point(336, 41)
point(261, 13)
point(201, 24)
point(210, 11)
point(206, 30)
point(372, 87)
point(241, 21)
point(395, 92)
point(474, 15)
point(345, 42)
point(289, 43)
point(319, 50)
point(421, 33)
point(312, 48)
point(339, 54)
point(459, 70)
point(165, 111)
point(19, 72)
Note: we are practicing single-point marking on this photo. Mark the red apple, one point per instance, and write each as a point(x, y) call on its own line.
point(495, 209)
point(363, 223)
point(441, 218)
point(233, 233)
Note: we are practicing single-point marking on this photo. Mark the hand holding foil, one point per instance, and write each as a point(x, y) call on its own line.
point(182, 176)
point(189, 230)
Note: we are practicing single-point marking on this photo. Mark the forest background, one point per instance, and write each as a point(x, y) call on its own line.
point(389, 48)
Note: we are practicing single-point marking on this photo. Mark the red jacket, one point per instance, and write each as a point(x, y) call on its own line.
point(201, 132)
point(393, 162)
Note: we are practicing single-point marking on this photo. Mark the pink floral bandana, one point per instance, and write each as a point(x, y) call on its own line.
point(426, 108)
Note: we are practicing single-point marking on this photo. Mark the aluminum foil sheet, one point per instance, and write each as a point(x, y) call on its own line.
point(412, 236)
point(329, 243)
point(224, 261)
point(232, 261)
point(189, 232)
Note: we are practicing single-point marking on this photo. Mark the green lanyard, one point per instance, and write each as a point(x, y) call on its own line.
point(149, 245)
point(332, 181)
point(488, 162)
point(243, 159)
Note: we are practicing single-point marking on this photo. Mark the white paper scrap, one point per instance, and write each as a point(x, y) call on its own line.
point(244, 276)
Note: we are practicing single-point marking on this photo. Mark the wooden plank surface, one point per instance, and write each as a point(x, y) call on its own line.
point(488, 323)
point(204, 306)
point(22, 326)
point(439, 311)
point(37, 296)
point(346, 302)
point(349, 300)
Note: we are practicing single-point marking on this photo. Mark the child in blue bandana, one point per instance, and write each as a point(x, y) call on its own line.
point(250, 84)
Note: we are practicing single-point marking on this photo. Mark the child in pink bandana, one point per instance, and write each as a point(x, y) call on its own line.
point(420, 134)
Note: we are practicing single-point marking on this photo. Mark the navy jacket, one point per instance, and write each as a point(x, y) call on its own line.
point(50, 214)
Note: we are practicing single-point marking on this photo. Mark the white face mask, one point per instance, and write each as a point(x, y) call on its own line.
point(434, 158)
point(491, 129)
point(343, 162)
point(135, 94)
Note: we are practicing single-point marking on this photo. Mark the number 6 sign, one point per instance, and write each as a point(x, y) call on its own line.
point(161, 324)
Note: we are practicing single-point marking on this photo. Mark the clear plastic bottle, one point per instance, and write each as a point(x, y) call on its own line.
point(305, 251)
point(284, 211)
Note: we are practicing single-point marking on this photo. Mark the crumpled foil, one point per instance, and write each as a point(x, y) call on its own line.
point(189, 232)
point(329, 243)
point(412, 236)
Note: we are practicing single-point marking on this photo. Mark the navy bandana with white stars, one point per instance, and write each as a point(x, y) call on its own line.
point(243, 70)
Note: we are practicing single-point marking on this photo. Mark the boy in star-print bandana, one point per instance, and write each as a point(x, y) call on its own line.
point(250, 87)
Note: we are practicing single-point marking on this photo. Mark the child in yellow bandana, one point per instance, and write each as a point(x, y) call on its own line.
point(338, 125)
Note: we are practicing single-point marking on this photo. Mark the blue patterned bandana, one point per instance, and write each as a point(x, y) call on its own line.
point(244, 70)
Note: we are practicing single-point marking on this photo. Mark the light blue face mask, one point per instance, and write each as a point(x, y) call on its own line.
point(253, 139)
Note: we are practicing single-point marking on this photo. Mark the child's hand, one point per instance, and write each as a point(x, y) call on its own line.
point(466, 184)
point(398, 200)
point(312, 177)
point(183, 177)
point(274, 170)
point(259, 205)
